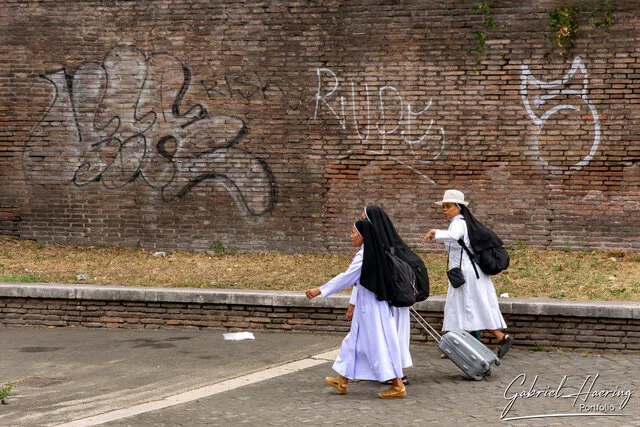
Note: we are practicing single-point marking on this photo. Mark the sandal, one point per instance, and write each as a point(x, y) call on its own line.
point(339, 383)
point(504, 345)
point(443, 356)
point(394, 392)
point(405, 381)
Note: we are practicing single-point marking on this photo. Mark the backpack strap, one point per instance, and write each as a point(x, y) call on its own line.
point(466, 249)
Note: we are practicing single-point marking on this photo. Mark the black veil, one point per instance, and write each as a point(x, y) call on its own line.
point(374, 268)
point(375, 275)
point(480, 236)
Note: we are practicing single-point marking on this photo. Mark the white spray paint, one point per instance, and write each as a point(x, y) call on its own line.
point(554, 89)
point(403, 126)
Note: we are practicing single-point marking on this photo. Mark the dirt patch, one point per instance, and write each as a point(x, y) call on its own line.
point(533, 272)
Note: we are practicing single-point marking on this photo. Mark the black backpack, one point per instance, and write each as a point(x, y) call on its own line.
point(422, 276)
point(490, 253)
point(403, 281)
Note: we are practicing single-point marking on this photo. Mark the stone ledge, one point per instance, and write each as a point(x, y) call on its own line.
point(530, 306)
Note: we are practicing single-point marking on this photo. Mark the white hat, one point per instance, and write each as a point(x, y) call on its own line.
point(453, 196)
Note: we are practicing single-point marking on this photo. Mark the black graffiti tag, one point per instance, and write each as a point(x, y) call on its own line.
point(123, 119)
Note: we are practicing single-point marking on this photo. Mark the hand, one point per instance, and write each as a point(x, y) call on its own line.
point(350, 310)
point(429, 236)
point(312, 293)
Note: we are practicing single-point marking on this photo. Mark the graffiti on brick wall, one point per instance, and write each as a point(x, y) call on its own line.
point(557, 98)
point(250, 86)
point(125, 119)
point(389, 117)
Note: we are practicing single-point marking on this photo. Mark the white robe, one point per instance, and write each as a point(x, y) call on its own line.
point(403, 323)
point(474, 305)
point(372, 349)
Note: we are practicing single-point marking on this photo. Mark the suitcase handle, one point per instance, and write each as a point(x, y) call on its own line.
point(427, 327)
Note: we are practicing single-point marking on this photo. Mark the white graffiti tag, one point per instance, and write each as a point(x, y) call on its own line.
point(558, 89)
point(395, 116)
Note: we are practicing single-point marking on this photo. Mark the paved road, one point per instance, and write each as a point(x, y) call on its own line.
point(174, 378)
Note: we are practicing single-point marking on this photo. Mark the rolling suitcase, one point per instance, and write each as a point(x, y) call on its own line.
point(469, 354)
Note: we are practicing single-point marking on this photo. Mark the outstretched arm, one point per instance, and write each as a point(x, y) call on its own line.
point(341, 281)
point(429, 236)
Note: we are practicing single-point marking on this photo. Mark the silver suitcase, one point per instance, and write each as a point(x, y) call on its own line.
point(469, 354)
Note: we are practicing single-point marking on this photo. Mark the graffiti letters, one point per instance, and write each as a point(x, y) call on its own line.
point(125, 119)
point(395, 118)
point(247, 87)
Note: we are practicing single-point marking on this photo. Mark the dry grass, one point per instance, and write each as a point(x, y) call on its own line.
point(533, 273)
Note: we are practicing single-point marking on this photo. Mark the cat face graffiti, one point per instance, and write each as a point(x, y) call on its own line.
point(567, 132)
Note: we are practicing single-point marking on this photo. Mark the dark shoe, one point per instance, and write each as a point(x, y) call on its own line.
point(405, 381)
point(443, 356)
point(504, 345)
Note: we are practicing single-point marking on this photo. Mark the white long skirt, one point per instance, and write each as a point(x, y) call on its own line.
point(403, 324)
point(473, 306)
point(372, 349)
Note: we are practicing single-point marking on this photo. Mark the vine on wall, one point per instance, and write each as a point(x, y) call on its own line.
point(564, 20)
point(603, 14)
point(482, 7)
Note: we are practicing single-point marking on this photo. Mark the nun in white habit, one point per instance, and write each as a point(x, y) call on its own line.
point(371, 350)
point(389, 237)
point(474, 305)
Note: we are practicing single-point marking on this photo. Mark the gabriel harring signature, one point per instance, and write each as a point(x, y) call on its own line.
point(585, 399)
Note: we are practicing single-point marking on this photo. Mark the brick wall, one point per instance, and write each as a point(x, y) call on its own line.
point(536, 324)
point(533, 332)
point(269, 125)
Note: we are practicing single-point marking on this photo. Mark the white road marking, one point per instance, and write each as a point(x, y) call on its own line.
point(207, 391)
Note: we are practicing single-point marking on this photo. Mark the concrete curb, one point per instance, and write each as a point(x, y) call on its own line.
point(513, 306)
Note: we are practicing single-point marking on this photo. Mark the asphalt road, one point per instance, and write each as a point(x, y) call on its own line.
point(114, 377)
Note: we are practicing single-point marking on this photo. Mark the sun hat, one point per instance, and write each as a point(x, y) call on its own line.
point(453, 196)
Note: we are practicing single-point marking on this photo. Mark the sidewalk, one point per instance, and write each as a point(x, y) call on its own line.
point(68, 374)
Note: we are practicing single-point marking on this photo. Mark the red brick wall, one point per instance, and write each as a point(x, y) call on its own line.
point(533, 331)
point(269, 125)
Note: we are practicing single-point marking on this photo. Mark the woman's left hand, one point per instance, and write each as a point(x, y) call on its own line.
point(350, 311)
point(312, 293)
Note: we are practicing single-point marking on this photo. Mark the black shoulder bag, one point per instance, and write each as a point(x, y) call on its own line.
point(456, 278)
